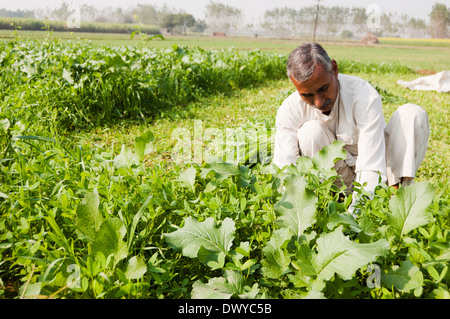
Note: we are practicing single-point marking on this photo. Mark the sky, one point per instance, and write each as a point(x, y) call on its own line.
point(252, 9)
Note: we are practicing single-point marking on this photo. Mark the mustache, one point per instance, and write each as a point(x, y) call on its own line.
point(324, 105)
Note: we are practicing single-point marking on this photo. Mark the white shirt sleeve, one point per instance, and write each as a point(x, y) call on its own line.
point(287, 123)
point(287, 150)
point(371, 161)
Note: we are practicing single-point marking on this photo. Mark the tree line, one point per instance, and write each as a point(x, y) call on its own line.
point(335, 21)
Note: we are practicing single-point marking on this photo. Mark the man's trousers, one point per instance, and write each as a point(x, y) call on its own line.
point(406, 137)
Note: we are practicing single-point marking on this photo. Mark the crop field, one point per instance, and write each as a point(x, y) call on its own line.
point(141, 170)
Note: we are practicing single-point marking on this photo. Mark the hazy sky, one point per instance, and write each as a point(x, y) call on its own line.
point(251, 8)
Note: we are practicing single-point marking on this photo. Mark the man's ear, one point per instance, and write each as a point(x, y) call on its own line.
point(334, 68)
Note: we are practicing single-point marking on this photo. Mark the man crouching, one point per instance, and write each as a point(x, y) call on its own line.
point(329, 106)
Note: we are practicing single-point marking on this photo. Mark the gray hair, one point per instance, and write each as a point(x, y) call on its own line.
point(302, 60)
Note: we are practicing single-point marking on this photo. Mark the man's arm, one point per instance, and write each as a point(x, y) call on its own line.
point(286, 144)
point(371, 162)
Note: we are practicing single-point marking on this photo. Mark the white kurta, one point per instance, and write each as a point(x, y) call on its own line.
point(357, 120)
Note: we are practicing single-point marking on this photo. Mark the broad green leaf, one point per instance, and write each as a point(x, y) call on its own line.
point(304, 164)
point(231, 284)
point(337, 219)
point(194, 235)
point(33, 137)
point(187, 178)
point(143, 144)
point(222, 170)
point(67, 76)
point(303, 260)
point(136, 268)
point(89, 218)
point(329, 155)
point(108, 239)
point(243, 249)
point(298, 207)
point(440, 293)
point(126, 159)
point(405, 278)
point(214, 261)
point(409, 207)
point(277, 259)
point(336, 253)
point(300, 280)
point(4, 125)
point(30, 290)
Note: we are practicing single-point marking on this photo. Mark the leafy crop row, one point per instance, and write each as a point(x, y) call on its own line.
point(79, 220)
point(83, 222)
point(71, 85)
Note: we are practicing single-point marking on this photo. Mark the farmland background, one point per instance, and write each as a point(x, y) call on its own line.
point(90, 185)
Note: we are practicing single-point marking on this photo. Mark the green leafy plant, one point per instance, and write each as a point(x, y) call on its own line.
point(84, 220)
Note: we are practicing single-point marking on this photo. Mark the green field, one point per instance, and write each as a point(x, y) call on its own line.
point(94, 202)
point(420, 54)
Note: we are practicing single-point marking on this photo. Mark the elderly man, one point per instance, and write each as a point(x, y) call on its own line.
point(329, 106)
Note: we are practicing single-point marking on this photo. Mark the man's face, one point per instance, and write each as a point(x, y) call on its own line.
point(321, 89)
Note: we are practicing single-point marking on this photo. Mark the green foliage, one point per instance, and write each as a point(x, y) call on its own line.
point(8, 23)
point(408, 209)
point(349, 66)
point(298, 208)
point(75, 85)
point(305, 250)
point(80, 220)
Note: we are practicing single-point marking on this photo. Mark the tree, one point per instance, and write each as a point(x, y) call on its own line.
point(172, 20)
point(168, 22)
point(221, 17)
point(200, 26)
point(281, 20)
point(185, 20)
point(147, 13)
point(315, 21)
point(439, 20)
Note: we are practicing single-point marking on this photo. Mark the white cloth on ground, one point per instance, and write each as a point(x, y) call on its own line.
point(439, 82)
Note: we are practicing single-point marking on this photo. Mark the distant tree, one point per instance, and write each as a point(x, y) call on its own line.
point(168, 22)
point(185, 20)
point(200, 26)
point(417, 28)
point(221, 17)
point(286, 21)
point(147, 13)
point(283, 20)
point(88, 13)
point(439, 20)
point(172, 20)
point(346, 34)
point(63, 12)
point(17, 13)
point(358, 20)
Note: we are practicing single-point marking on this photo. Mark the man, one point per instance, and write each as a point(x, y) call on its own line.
point(329, 106)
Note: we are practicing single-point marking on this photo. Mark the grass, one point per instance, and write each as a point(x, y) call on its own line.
point(28, 24)
point(431, 54)
point(416, 42)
